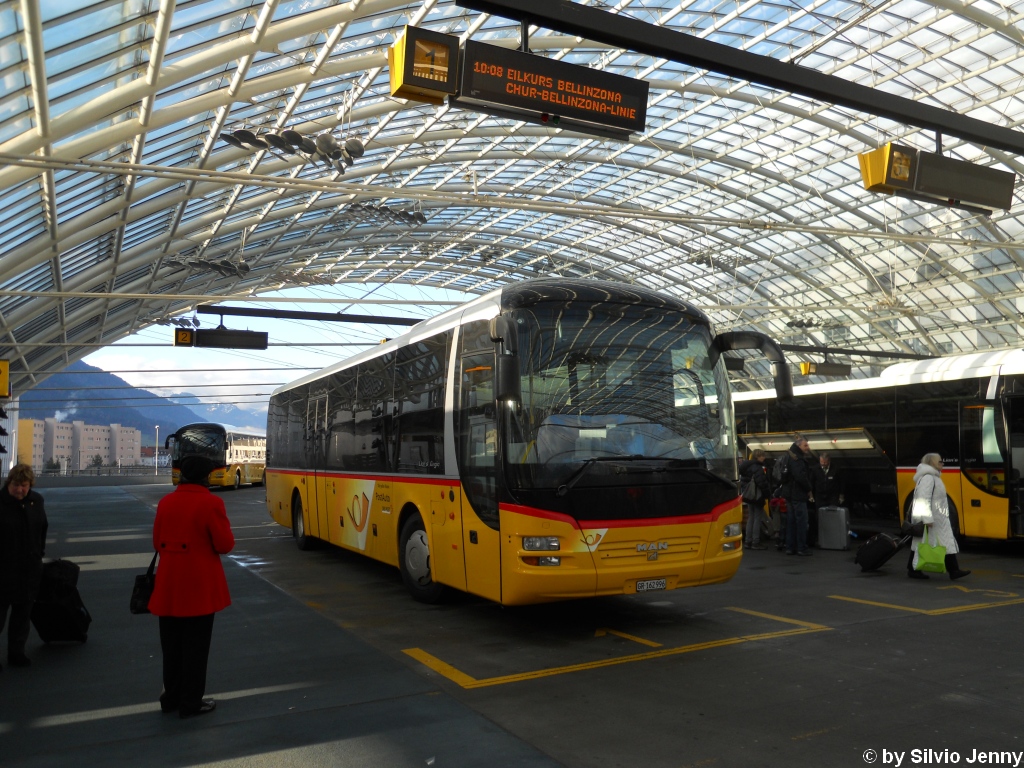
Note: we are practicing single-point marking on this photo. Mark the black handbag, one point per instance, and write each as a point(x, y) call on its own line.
point(143, 589)
point(912, 529)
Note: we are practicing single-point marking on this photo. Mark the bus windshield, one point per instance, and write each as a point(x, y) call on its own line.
point(615, 383)
point(199, 440)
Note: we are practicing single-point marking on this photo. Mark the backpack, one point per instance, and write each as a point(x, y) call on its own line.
point(780, 472)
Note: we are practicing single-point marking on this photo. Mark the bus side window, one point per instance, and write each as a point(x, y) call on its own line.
point(419, 394)
point(477, 435)
point(340, 420)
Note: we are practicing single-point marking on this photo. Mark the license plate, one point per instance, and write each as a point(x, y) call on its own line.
point(650, 585)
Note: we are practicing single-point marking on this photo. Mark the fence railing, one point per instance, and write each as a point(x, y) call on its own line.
point(104, 471)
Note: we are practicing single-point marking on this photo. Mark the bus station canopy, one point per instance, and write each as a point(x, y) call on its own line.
point(131, 188)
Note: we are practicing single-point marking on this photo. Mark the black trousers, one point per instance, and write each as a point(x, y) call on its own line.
point(17, 632)
point(185, 642)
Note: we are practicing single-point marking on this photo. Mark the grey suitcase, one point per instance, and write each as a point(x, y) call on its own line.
point(834, 528)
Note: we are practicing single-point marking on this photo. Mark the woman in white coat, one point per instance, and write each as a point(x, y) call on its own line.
point(930, 498)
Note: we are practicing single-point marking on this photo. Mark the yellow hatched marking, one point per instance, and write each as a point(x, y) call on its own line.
point(933, 611)
point(466, 681)
point(624, 636)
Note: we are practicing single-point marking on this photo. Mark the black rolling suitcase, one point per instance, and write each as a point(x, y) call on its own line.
point(59, 613)
point(878, 549)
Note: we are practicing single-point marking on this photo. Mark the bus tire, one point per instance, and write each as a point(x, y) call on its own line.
point(238, 479)
point(414, 562)
point(302, 541)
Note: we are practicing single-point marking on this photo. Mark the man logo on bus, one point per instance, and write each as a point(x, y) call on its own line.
point(652, 549)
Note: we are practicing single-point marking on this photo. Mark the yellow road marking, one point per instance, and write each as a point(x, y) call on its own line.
point(624, 636)
point(986, 592)
point(424, 658)
point(466, 681)
point(783, 619)
point(933, 611)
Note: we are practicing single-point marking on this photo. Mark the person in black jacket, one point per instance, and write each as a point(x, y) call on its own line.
point(828, 492)
point(22, 545)
point(828, 483)
point(798, 489)
point(753, 469)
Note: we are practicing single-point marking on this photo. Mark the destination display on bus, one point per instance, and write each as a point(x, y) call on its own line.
point(537, 84)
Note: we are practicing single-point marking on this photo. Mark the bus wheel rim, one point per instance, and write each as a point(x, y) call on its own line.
point(417, 558)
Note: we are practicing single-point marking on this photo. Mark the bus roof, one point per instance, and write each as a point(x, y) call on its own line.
point(513, 295)
point(978, 365)
point(248, 431)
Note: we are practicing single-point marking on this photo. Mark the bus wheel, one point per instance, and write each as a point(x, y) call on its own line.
point(414, 562)
point(238, 479)
point(303, 541)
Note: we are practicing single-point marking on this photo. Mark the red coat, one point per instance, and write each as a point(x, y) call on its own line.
point(191, 532)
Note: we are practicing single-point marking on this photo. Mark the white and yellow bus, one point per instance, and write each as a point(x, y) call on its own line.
point(552, 439)
point(240, 452)
point(967, 408)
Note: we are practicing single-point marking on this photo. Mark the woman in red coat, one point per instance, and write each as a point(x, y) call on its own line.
point(191, 532)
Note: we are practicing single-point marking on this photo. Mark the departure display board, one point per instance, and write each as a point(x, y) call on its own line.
point(539, 85)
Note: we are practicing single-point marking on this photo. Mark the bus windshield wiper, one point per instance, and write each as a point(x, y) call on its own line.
point(565, 487)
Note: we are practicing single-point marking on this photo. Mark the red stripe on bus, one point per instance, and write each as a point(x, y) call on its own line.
point(387, 478)
point(707, 517)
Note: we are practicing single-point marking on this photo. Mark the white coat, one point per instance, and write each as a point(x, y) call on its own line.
point(930, 488)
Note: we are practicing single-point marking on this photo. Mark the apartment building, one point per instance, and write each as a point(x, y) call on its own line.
point(75, 445)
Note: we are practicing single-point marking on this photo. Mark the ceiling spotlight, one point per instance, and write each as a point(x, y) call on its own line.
point(355, 147)
point(292, 137)
point(279, 143)
point(232, 140)
point(250, 138)
point(327, 144)
point(242, 268)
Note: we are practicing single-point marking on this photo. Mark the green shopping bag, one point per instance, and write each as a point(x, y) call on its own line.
point(930, 559)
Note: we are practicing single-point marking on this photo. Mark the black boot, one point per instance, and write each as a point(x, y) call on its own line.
point(916, 574)
point(953, 568)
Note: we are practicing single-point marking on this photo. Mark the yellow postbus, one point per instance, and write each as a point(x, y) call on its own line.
point(968, 408)
point(241, 452)
point(552, 439)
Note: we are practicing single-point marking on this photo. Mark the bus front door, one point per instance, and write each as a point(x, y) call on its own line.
point(1013, 415)
point(477, 438)
point(316, 465)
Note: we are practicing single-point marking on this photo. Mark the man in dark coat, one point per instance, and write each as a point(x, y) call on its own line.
point(828, 483)
point(22, 546)
point(798, 491)
point(753, 470)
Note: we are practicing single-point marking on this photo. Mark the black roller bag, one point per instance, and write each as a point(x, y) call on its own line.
point(59, 613)
point(878, 549)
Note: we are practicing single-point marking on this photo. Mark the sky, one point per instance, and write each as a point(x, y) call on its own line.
point(232, 376)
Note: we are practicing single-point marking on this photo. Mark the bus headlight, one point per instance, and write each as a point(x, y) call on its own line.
point(732, 529)
point(541, 543)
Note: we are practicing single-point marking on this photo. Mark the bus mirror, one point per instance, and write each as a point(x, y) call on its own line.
point(503, 330)
point(506, 378)
point(754, 340)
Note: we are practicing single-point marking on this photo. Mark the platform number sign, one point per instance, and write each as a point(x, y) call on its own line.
point(184, 337)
